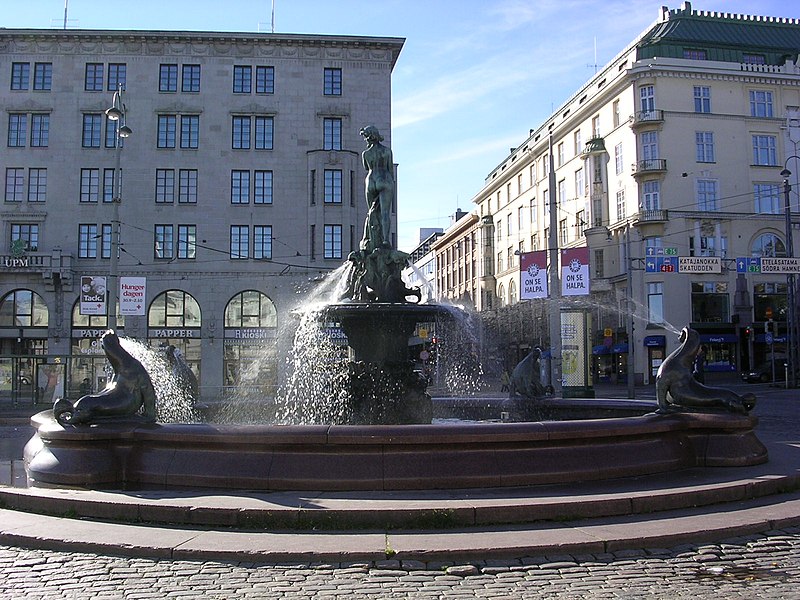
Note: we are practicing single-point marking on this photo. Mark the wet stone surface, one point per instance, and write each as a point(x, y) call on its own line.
point(758, 566)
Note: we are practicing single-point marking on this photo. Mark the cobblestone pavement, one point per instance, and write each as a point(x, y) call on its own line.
point(766, 566)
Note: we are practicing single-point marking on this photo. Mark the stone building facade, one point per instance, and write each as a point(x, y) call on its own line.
point(673, 150)
point(241, 186)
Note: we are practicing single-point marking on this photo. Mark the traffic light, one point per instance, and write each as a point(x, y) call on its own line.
point(748, 331)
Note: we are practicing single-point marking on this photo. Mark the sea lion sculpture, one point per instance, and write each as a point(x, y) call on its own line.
point(526, 377)
point(677, 389)
point(129, 391)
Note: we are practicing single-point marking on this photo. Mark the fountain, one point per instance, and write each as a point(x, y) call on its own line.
point(382, 438)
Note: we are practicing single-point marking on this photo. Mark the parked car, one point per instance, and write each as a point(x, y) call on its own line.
point(763, 372)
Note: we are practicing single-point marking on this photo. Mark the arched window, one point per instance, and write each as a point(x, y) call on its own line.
point(512, 292)
point(174, 308)
point(80, 321)
point(251, 308)
point(501, 294)
point(769, 245)
point(23, 308)
point(250, 361)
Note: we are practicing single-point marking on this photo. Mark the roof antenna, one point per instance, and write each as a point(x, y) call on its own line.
point(66, 8)
point(595, 65)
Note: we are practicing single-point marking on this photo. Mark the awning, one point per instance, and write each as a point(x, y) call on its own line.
point(719, 338)
point(655, 341)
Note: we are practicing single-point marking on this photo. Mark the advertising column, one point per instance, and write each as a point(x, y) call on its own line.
point(576, 326)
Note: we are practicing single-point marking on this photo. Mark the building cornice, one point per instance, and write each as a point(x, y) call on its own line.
point(201, 43)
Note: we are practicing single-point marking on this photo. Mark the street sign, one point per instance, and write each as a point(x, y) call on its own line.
point(667, 264)
point(768, 338)
point(746, 264)
point(780, 265)
point(700, 264)
point(671, 251)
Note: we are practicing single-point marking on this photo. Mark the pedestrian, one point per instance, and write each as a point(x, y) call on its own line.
point(699, 369)
point(505, 380)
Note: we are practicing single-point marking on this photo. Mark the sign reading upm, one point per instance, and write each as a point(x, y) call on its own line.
point(780, 265)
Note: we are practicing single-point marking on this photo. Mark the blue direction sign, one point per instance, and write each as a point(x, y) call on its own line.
point(746, 264)
point(661, 264)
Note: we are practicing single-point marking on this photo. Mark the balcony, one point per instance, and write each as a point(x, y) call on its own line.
point(647, 117)
point(650, 166)
point(650, 222)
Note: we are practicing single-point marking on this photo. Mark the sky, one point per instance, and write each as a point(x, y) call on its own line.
point(474, 76)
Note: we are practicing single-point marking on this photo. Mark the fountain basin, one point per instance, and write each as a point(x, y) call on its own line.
point(383, 457)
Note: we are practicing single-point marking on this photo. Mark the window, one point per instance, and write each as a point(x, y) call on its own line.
point(710, 302)
point(509, 225)
point(760, 103)
point(649, 145)
point(332, 134)
point(167, 126)
point(520, 218)
point(615, 113)
point(576, 142)
point(333, 186)
point(655, 302)
point(767, 198)
point(519, 184)
point(27, 233)
point(562, 193)
point(599, 264)
point(499, 262)
point(704, 146)
point(40, 130)
point(265, 80)
point(262, 241)
point(187, 241)
point(651, 195)
point(264, 133)
point(754, 59)
point(190, 131)
point(92, 126)
point(15, 180)
point(508, 192)
point(90, 185)
point(168, 78)
point(37, 185)
point(707, 195)
point(111, 134)
point(187, 191)
point(241, 133)
point(709, 246)
point(764, 152)
point(768, 244)
point(20, 75)
point(580, 184)
point(563, 232)
point(773, 297)
point(117, 75)
point(17, 130)
point(242, 79)
point(190, 78)
point(560, 153)
point(580, 223)
point(108, 185)
point(595, 126)
point(619, 166)
point(534, 210)
point(333, 82)
point(93, 80)
point(240, 242)
point(332, 242)
point(165, 186)
point(647, 99)
point(162, 236)
point(87, 240)
point(702, 99)
point(262, 192)
point(240, 187)
point(43, 76)
point(693, 54)
point(620, 205)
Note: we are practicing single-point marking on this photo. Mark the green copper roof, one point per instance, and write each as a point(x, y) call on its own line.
point(723, 37)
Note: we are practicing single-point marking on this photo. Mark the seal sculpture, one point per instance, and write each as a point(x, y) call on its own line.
point(129, 391)
point(676, 387)
point(526, 377)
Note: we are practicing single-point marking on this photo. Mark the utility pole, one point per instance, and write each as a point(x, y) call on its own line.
point(554, 280)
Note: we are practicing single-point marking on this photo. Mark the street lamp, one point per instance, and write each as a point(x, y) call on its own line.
point(792, 317)
point(116, 113)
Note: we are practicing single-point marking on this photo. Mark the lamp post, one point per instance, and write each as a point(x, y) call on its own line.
point(116, 113)
point(791, 317)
